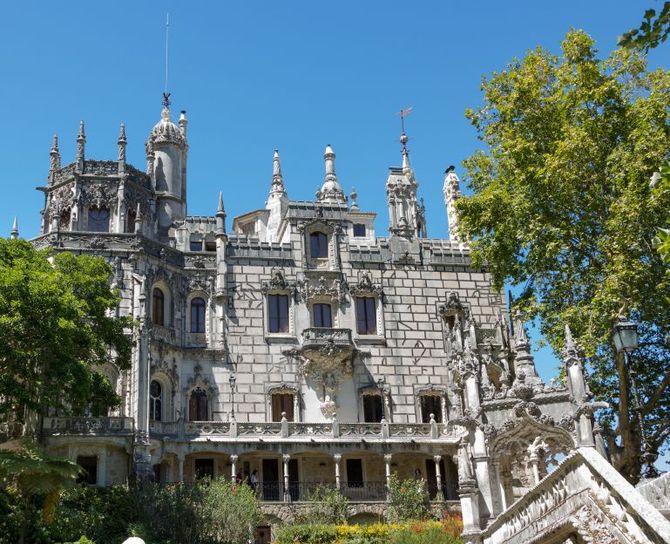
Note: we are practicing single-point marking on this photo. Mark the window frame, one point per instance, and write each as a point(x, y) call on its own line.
point(366, 300)
point(318, 313)
point(198, 325)
point(202, 394)
point(320, 241)
point(156, 403)
point(158, 310)
point(357, 228)
point(271, 298)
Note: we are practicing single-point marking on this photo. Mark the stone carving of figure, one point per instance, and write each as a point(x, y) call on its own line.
point(465, 473)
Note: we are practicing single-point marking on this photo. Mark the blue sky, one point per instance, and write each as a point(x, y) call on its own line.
point(295, 75)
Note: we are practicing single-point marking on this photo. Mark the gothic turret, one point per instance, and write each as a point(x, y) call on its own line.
point(524, 364)
point(122, 141)
point(166, 156)
point(331, 191)
point(401, 187)
point(54, 154)
point(452, 192)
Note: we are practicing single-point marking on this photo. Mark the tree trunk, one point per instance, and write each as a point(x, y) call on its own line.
point(629, 453)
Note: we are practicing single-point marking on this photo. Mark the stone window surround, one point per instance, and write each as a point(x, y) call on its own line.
point(334, 309)
point(199, 381)
point(374, 390)
point(167, 304)
point(167, 393)
point(430, 390)
point(205, 296)
point(283, 388)
point(289, 336)
point(333, 249)
point(380, 337)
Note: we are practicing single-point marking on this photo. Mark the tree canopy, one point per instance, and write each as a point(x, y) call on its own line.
point(653, 30)
point(562, 206)
point(58, 332)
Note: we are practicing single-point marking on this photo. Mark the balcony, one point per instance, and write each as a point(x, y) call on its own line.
point(94, 426)
point(327, 345)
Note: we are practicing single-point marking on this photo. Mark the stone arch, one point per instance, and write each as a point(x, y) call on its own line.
point(164, 288)
point(192, 295)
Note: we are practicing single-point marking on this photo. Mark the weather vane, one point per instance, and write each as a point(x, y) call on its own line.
point(404, 113)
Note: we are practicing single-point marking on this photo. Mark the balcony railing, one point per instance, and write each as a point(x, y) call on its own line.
point(104, 426)
point(308, 491)
point(97, 426)
point(285, 429)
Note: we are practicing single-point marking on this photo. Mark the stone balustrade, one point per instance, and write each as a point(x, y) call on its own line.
point(227, 429)
point(100, 426)
point(586, 500)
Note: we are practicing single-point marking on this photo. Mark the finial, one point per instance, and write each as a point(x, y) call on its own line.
point(183, 122)
point(570, 349)
point(122, 133)
point(354, 199)
point(220, 209)
point(15, 229)
point(277, 187)
point(55, 155)
point(81, 142)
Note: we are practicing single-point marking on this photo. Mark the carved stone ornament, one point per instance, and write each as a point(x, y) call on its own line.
point(277, 282)
point(198, 380)
point(366, 287)
point(99, 194)
point(334, 290)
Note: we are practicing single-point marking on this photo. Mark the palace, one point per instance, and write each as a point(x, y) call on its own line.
point(300, 347)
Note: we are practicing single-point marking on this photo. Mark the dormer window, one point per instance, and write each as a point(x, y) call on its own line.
point(318, 245)
point(322, 315)
point(359, 229)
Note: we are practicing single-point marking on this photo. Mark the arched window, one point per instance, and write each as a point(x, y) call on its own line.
point(64, 220)
point(198, 315)
point(318, 245)
point(131, 215)
point(197, 406)
point(158, 307)
point(98, 219)
point(155, 401)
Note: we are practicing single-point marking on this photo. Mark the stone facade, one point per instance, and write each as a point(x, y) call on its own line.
point(303, 348)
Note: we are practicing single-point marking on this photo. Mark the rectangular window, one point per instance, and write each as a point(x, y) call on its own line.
point(366, 315)
point(318, 245)
point(196, 245)
point(359, 229)
point(210, 246)
point(322, 315)
point(282, 402)
point(431, 404)
point(278, 313)
point(373, 408)
point(354, 473)
point(90, 473)
point(204, 468)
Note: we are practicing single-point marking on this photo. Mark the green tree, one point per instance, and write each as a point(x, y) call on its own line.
point(408, 500)
point(57, 332)
point(231, 512)
point(562, 207)
point(653, 30)
point(26, 470)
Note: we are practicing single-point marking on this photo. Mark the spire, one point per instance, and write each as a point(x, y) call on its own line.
point(15, 230)
point(405, 152)
point(523, 359)
point(183, 122)
point(55, 155)
point(122, 148)
point(452, 192)
point(570, 349)
point(220, 216)
point(331, 192)
point(138, 219)
point(149, 146)
point(277, 188)
point(81, 144)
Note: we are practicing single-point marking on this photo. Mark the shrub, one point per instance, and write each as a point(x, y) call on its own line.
point(408, 500)
point(306, 534)
point(327, 505)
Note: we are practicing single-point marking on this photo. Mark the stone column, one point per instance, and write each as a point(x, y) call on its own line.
point(501, 486)
point(443, 408)
point(387, 464)
point(287, 496)
point(233, 467)
point(180, 467)
point(439, 496)
point(102, 468)
point(296, 407)
point(338, 459)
